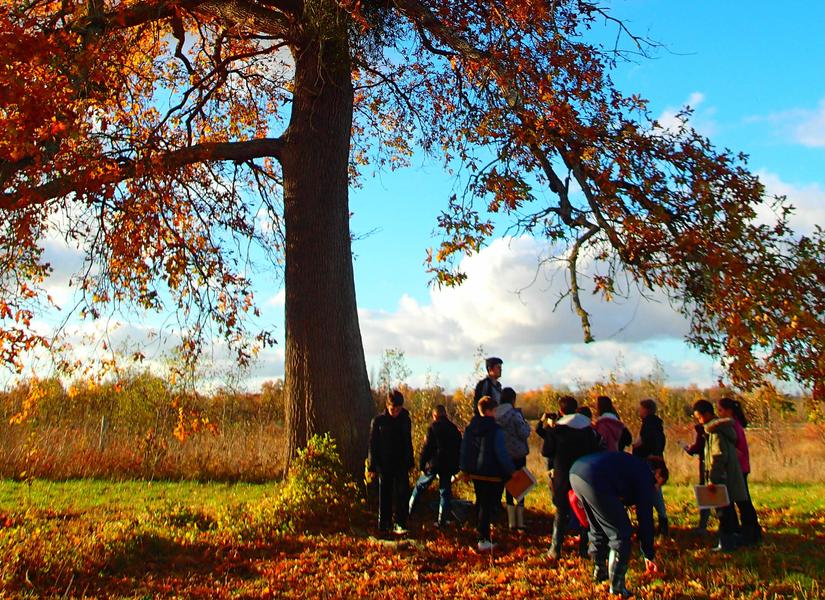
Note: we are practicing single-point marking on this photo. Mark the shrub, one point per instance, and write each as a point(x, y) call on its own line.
point(318, 493)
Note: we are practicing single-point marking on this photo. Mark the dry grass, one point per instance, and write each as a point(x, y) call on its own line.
point(254, 451)
point(237, 453)
point(784, 454)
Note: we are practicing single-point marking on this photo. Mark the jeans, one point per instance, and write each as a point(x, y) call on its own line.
point(393, 492)
point(488, 494)
point(659, 505)
point(445, 493)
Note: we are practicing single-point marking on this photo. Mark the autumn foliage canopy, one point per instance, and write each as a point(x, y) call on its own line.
point(152, 134)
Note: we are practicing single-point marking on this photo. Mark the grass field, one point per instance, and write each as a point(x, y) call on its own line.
point(89, 538)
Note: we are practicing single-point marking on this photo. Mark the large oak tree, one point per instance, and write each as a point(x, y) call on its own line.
point(165, 137)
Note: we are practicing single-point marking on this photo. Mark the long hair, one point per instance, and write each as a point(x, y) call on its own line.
point(605, 405)
point(736, 407)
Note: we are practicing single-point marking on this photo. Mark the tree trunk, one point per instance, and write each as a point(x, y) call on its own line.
point(327, 389)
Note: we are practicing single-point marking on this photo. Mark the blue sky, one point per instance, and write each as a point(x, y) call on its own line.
point(755, 74)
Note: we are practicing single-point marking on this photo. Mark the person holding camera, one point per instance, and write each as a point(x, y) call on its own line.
point(567, 437)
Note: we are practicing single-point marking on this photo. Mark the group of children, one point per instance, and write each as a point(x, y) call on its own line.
point(592, 480)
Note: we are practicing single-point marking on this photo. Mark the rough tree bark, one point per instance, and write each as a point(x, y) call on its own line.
point(327, 388)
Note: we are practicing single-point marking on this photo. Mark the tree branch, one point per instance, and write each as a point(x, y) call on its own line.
point(574, 282)
point(122, 171)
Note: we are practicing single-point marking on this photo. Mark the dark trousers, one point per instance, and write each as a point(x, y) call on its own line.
point(728, 526)
point(393, 492)
point(704, 513)
point(751, 529)
point(561, 522)
point(610, 527)
point(488, 495)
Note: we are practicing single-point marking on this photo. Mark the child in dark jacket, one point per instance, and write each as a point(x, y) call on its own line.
point(439, 458)
point(651, 444)
point(485, 459)
point(391, 457)
point(697, 448)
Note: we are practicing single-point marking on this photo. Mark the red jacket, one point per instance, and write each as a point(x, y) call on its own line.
point(742, 452)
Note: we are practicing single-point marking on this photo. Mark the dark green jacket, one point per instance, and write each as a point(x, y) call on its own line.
point(721, 460)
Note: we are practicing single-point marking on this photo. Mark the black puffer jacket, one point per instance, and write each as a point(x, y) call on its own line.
point(441, 448)
point(652, 436)
point(391, 448)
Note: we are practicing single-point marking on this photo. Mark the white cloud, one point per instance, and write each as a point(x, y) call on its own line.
point(810, 131)
point(805, 126)
point(700, 121)
point(498, 308)
point(808, 201)
point(277, 300)
point(595, 362)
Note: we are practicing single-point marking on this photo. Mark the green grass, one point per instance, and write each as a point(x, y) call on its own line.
point(130, 496)
point(132, 539)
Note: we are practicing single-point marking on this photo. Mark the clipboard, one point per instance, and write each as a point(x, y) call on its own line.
point(715, 498)
point(520, 484)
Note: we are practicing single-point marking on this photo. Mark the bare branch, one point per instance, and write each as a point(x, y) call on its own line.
point(199, 153)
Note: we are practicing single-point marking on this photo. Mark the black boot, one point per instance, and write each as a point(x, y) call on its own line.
point(728, 542)
point(558, 539)
point(600, 572)
point(617, 570)
point(583, 544)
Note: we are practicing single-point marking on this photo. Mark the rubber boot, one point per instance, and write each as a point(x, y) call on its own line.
point(584, 544)
point(600, 572)
point(727, 542)
point(557, 541)
point(617, 569)
point(520, 518)
point(511, 516)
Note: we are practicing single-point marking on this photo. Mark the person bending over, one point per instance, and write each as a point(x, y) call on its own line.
point(606, 482)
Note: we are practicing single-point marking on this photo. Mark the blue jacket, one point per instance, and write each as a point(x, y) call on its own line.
point(627, 477)
point(483, 451)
